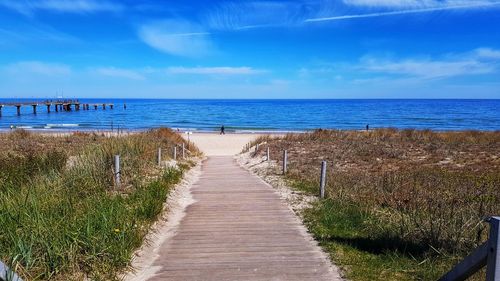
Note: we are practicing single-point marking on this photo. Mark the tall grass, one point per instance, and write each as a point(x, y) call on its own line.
point(61, 217)
point(414, 196)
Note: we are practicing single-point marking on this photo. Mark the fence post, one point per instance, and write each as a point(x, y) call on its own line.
point(493, 264)
point(256, 148)
point(175, 152)
point(322, 180)
point(117, 171)
point(7, 274)
point(267, 153)
point(183, 151)
point(285, 160)
point(159, 156)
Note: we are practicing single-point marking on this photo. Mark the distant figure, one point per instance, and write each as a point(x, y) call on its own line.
point(124, 106)
point(222, 130)
point(11, 127)
point(367, 127)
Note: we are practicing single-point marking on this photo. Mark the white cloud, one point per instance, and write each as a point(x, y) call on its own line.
point(404, 7)
point(120, 73)
point(177, 37)
point(36, 67)
point(223, 70)
point(479, 61)
point(488, 53)
point(28, 7)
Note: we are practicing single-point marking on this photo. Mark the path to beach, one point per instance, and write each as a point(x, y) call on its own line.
point(237, 228)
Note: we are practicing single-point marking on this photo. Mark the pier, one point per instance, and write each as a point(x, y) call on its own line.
point(57, 105)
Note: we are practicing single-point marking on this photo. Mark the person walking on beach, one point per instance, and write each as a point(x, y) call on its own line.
point(222, 130)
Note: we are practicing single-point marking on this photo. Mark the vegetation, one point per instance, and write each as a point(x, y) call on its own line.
point(61, 216)
point(400, 205)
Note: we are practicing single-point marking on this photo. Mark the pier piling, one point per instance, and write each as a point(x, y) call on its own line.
point(34, 108)
point(1, 106)
point(48, 107)
point(18, 109)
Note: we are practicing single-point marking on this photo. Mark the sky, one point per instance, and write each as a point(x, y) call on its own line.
point(332, 49)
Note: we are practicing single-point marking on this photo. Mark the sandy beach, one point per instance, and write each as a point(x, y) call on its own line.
point(214, 144)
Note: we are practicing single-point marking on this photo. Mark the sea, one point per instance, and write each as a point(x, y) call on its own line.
point(260, 115)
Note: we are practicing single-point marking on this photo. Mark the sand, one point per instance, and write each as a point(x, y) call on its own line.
point(212, 144)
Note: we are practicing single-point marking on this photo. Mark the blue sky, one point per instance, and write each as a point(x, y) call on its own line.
point(250, 49)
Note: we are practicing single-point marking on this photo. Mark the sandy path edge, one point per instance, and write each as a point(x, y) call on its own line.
point(296, 201)
point(163, 229)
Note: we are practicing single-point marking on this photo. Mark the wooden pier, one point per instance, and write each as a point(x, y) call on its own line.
point(57, 105)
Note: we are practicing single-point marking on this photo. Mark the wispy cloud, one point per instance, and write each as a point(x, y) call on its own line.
point(36, 67)
point(28, 7)
point(119, 73)
point(221, 70)
point(177, 37)
point(406, 7)
point(479, 61)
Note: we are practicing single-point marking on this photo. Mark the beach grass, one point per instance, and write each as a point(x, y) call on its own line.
point(400, 204)
point(61, 216)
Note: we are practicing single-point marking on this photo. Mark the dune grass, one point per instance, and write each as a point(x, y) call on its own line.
point(61, 216)
point(400, 205)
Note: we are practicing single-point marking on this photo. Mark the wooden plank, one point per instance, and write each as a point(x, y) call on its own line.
point(470, 265)
point(239, 229)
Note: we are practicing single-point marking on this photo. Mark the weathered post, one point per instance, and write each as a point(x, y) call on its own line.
point(285, 160)
point(183, 151)
point(493, 264)
point(267, 155)
point(8, 274)
point(117, 171)
point(48, 107)
point(322, 180)
point(159, 156)
point(34, 108)
point(111, 106)
point(256, 148)
point(18, 109)
point(104, 106)
point(175, 152)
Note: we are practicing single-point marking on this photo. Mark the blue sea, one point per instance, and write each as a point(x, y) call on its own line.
point(262, 115)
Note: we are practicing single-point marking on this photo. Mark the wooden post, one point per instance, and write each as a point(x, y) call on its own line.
point(175, 152)
point(159, 156)
point(493, 264)
point(322, 180)
point(95, 106)
point(1, 106)
point(8, 274)
point(18, 109)
point(104, 106)
point(57, 107)
point(285, 160)
point(256, 148)
point(48, 107)
point(34, 108)
point(117, 171)
point(267, 153)
point(183, 151)
point(111, 106)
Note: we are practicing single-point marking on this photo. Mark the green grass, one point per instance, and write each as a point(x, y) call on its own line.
point(345, 231)
point(68, 222)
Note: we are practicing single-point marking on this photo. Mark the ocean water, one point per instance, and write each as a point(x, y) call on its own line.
point(263, 115)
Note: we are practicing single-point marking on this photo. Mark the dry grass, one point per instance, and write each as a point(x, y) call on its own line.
point(424, 193)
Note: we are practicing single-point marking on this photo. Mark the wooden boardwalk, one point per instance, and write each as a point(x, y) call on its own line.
point(239, 229)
